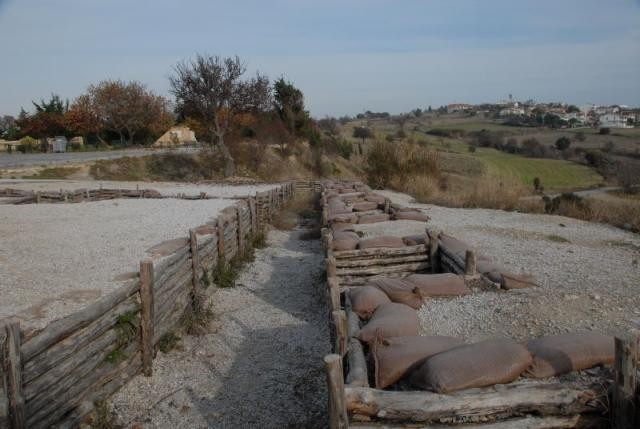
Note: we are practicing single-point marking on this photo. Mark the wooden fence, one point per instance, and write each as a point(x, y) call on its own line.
point(52, 378)
point(353, 402)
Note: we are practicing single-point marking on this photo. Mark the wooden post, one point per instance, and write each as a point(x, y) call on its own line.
point(11, 363)
point(340, 321)
point(625, 379)
point(433, 249)
point(38, 197)
point(335, 383)
point(220, 229)
point(470, 263)
point(334, 293)
point(240, 230)
point(88, 195)
point(146, 315)
point(331, 268)
point(195, 268)
point(387, 205)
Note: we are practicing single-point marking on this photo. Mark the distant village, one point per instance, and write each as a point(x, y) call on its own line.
point(560, 115)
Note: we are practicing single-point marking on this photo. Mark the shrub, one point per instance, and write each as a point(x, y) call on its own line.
point(563, 143)
point(471, 148)
point(389, 163)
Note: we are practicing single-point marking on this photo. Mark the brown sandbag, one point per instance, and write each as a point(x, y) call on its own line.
point(446, 284)
point(415, 240)
point(338, 227)
point(366, 299)
point(344, 218)
point(378, 199)
point(345, 240)
point(390, 320)
point(455, 246)
point(373, 218)
point(364, 206)
point(499, 274)
point(399, 290)
point(418, 216)
point(560, 354)
point(475, 365)
point(395, 357)
point(382, 241)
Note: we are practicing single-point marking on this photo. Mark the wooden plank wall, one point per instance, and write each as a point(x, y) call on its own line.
point(54, 376)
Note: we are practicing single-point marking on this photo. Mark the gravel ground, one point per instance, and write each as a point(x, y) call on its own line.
point(261, 364)
point(591, 281)
point(56, 258)
point(165, 188)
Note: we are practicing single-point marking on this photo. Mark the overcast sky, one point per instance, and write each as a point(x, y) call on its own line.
point(347, 56)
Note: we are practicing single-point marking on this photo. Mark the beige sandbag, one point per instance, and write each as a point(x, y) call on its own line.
point(366, 299)
point(382, 241)
point(399, 290)
point(364, 206)
point(373, 218)
point(379, 199)
point(395, 357)
point(455, 246)
point(559, 354)
point(418, 216)
point(415, 240)
point(499, 274)
point(446, 284)
point(345, 240)
point(475, 365)
point(390, 320)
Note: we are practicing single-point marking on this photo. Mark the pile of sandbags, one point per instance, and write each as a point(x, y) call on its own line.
point(486, 266)
point(390, 320)
point(438, 285)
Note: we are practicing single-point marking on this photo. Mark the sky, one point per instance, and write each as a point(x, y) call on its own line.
point(347, 56)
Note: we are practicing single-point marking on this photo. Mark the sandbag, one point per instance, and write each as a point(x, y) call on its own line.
point(390, 320)
point(455, 246)
point(415, 240)
point(344, 218)
point(379, 199)
point(395, 357)
point(337, 227)
point(475, 365)
point(446, 284)
point(499, 274)
point(345, 240)
point(373, 218)
point(364, 206)
point(560, 354)
point(382, 241)
point(418, 216)
point(366, 299)
point(399, 290)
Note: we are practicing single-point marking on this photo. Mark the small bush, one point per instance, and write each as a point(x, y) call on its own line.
point(127, 328)
point(168, 342)
point(102, 417)
point(197, 320)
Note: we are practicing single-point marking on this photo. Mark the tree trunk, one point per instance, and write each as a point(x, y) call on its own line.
point(229, 163)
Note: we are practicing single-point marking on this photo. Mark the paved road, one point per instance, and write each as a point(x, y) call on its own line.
point(33, 159)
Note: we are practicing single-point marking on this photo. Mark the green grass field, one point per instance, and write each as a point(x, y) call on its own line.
point(554, 174)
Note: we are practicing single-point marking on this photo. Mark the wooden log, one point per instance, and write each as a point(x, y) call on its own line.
point(502, 401)
point(387, 205)
point(163, 304)
point(433, 249)
point(470, 263)
point(354, 263)
point(625, 381)
point(220, 230)
point(146, 315)
point(335, 383)
point(4, 399)
point(384, 269)
point(339, 318)
point(54, 355)
point(380, 251)
point(11, 361)
point(164, 278)
point(330, 266)
point(552, 422)
point(357, 363)
point(334, 293)
point(195, 265)
point(62, 328)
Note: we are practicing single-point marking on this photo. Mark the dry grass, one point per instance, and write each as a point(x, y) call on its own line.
point(302, 209)
point(623, 214)
point(460, 191)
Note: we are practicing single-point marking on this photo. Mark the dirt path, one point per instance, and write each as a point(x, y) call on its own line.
point(261, 365)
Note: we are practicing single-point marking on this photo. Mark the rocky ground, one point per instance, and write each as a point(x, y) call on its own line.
point(261, 363)
point(589, 274)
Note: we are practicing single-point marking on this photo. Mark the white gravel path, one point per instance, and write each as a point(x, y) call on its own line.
point(165, 188)
point(56, 258)
point(261, 364)
point(591, 282)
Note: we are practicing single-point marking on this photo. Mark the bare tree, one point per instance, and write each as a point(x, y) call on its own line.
point(210, 90)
